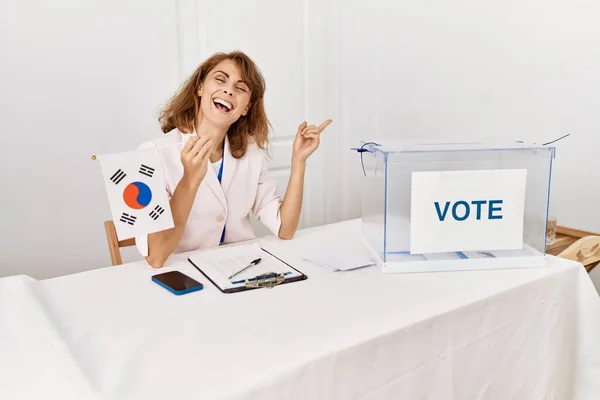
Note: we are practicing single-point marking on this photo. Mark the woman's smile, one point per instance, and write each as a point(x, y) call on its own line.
point(222, 105)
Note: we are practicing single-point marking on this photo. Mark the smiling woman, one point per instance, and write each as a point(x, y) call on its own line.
point(218, 117)
point(235, 88)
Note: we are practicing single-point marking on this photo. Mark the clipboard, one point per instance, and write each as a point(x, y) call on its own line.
point(207, 263)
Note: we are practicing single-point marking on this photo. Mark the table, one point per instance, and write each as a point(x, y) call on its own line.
point(113, 334)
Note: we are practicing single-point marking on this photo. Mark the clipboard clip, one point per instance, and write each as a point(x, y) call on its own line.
point(268, 280)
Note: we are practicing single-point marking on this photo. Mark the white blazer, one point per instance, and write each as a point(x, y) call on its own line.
point(245, 188)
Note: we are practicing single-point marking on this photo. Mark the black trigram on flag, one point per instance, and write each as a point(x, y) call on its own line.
point(118, 177)
point(146, 170)
point(158, 210)
point(128, 219)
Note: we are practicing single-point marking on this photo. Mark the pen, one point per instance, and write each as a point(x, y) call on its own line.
point(260, 276)
point(253, 263)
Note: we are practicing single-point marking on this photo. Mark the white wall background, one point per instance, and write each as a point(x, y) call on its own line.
point(76, 79)
point(525, 70)
point(82, 78)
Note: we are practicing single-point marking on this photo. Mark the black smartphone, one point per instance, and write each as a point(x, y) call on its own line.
point(177, 282)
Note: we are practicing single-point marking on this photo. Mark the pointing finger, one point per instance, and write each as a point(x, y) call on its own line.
point(325, 124)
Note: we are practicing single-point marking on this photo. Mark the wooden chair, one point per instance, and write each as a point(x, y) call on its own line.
point(114, 244)
point(577, 245)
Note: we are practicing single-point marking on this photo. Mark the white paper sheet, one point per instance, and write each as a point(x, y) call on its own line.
point(340, 253)
point(338, 259)
point(479, 254)
point(442, 256)
point(467, 210)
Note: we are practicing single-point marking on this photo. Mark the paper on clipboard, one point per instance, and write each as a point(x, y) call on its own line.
point(219, 264)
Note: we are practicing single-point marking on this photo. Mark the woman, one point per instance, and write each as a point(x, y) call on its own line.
point(215, 165)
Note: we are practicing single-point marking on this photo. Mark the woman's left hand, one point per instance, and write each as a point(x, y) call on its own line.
point(307, 140)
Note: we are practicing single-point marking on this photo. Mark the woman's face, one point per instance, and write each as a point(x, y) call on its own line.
point(224, 95)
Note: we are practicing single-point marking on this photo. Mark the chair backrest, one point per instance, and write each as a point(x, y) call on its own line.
point(585, 251)
point(114, 244)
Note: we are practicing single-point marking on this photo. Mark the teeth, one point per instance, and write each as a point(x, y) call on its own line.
point(225, 103)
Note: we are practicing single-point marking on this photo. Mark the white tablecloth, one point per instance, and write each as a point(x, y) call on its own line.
point(113, 334)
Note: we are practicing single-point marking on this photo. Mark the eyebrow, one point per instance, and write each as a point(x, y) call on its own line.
point(223, 72)
point(227, 75)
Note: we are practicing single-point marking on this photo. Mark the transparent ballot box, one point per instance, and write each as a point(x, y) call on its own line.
point(431, 206)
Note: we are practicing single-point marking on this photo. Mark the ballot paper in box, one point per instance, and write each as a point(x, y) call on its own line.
point(135, 186)
point(432, 206)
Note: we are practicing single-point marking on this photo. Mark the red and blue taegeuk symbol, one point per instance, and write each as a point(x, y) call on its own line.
point(137, 195)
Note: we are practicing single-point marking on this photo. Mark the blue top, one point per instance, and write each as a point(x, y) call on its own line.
point(219, 177)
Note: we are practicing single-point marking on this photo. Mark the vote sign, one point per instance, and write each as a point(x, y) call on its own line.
point(467, 210)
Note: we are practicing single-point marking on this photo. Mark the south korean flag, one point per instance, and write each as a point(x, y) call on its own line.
point(135, 186)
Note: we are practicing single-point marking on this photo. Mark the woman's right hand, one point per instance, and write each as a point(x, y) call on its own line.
point(194, 157)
